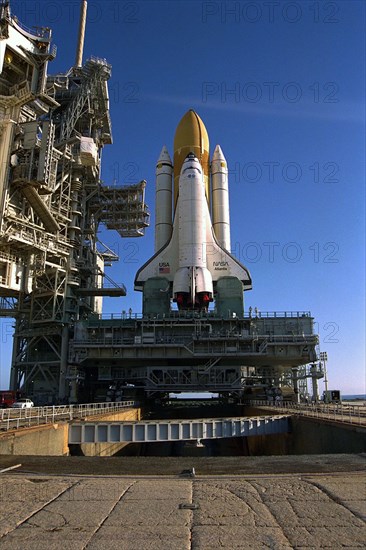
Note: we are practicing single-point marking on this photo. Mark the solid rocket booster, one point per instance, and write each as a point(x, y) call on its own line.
point(220, 199)
point(192, 236)
point(163, 199)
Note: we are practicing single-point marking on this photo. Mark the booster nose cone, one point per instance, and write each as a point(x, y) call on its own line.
point(218, 163)
point(218, 154)
point(191, 137)
point(164, 157)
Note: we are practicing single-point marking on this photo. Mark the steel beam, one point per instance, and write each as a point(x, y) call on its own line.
point(176, 430)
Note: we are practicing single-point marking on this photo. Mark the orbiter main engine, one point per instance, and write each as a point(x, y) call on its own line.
point(192, 264)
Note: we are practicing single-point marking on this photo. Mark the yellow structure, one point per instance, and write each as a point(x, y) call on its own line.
point(191, 137)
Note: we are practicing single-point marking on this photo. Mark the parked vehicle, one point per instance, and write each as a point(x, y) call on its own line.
point(332, 396)
point(8, 397)
point(23, 404)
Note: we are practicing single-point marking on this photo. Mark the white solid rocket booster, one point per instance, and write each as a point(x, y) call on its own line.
point(163, 199)
point(220, 199)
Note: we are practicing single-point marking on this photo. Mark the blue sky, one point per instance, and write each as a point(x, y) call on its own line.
point(280, 86)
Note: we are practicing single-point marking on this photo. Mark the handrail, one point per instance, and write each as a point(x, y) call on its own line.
point(36, 32)
point(19, 418)
point(200, 316)
point(176, 339)
point(353, 414)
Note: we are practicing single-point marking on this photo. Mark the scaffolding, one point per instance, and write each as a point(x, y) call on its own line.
point(123, 209)
point(52, 202)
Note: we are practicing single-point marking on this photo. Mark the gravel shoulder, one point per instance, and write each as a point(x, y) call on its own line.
point(236, 465)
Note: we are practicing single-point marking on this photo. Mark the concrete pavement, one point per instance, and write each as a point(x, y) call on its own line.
point(277, 511)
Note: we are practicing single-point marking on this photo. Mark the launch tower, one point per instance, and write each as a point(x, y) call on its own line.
point(52, 201)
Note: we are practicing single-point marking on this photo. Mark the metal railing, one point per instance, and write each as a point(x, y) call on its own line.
point(11, 419)
point(213, 337)
point(37, 32)
point(345, 413)
point(99, 61)
point(200, 316)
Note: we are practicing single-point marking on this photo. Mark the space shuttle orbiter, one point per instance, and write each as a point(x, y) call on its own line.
point(192, 264)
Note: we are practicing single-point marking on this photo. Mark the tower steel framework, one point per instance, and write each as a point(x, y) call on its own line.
point(52, 201)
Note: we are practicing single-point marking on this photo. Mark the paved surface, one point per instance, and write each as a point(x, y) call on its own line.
point(253, 511)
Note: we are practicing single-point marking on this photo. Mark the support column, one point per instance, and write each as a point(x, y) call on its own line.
point(63, 362)
point(14, 370)
point(295, 372)
point(7, 126)
point(314, 382)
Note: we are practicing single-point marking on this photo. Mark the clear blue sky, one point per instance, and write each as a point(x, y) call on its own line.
point(281, 89)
